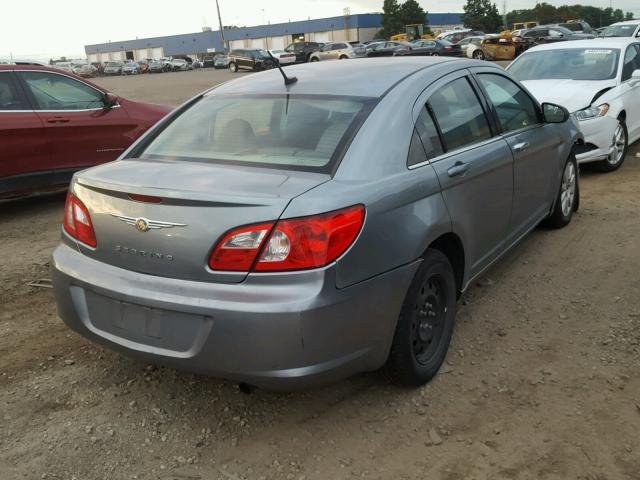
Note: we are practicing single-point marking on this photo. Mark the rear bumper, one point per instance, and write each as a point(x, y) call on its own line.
point(598, 138)
point(277, 331)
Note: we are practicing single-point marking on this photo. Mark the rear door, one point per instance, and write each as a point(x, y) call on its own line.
point(533, 144)
point(23, 146)
point(474, 166)
point(80, 130)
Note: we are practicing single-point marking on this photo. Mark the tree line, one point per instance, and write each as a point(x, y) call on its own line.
point(483, 15)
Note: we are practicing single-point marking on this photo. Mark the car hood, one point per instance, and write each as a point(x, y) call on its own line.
point(572, 94)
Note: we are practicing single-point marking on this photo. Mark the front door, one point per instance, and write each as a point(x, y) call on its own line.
point(475, 168)
point(81, 131)
point(630, 90)
point(533, 145)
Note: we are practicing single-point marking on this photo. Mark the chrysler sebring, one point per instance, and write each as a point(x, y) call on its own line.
point(287, 233)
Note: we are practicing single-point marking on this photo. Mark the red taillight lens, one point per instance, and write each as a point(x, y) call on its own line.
point(238, 248)
point(77, 221)
point(144, 198)
point(293, 244)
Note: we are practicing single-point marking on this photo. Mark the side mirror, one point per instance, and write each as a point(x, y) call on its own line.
point(554, 113)
point(110, 100)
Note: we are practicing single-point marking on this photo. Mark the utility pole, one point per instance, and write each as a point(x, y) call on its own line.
point(224, 43)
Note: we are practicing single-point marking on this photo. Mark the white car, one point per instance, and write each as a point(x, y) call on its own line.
point(598, 81)
point(284, 58)
point(472, 47)
point(629, 28)
point(338, 51)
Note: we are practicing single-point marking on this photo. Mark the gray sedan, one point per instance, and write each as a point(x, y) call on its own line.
point(288, 235)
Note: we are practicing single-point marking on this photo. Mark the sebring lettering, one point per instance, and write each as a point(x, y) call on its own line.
point(144, 253)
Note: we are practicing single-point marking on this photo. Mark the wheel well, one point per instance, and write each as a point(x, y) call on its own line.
point(623, 115)
point(451, 246)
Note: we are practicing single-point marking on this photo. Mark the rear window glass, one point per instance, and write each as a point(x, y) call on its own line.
point(299, 132)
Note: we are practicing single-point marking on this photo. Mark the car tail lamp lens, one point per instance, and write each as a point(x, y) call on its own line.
point(292, 244)
point(239, 248)
point(77, 221)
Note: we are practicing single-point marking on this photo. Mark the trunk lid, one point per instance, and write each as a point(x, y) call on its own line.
point(200, 202)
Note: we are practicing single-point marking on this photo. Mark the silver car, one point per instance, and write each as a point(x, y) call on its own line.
point(338, 51)
point(285, 235)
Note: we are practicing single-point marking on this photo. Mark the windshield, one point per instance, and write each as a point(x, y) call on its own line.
point(567, 63)
point(620, 30)
point(113, 64)
point(301, 132)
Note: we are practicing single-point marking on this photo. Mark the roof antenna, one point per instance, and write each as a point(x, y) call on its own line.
point(287, 80)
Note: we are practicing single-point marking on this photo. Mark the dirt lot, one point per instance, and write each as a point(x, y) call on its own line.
point(541, 381)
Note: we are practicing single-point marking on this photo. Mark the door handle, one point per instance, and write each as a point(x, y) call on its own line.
point(57, 120)
point(520, 147)
point(460, 168)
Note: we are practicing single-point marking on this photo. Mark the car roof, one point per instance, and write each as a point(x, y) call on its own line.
point(59, 71)
point(372, 77)
point(627, 22)
point(612, 42)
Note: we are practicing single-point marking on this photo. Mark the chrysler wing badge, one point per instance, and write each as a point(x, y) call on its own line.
point(144, 224)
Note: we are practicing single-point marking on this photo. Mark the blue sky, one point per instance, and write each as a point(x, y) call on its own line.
point(63, 27)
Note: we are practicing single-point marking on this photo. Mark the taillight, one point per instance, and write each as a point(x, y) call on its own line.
point(77, 221)
point(292, 244)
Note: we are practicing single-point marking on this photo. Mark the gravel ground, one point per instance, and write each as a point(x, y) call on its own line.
point(540, 383)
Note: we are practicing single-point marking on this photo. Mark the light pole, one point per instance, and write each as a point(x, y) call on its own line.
point(224, 43)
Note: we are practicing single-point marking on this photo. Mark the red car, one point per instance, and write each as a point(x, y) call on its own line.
point(54, 123)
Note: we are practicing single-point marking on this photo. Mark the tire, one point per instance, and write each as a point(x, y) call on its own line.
point(478, 55)
point(566, 202)
point(435, 54)
point(343, 57)
point(233, 67)
point(620, 148)
point(425, 324)
point(313, 59)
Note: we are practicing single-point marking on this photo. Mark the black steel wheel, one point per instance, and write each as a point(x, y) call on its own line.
point(425, 324)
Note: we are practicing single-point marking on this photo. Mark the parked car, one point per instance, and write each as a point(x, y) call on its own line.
point(65, 66)
point(180, 64)
point(471, 45)
point(113, 68)
point(433, 48)
point(338, 51)
point(159, 66)
point(387, 49)
point(599, 83)
point(251, 59)
point(629, 28)
point(53, 123)
point(197, 63)
point(576, 26)
point(143, 66)
point(221, 61)
point(296, 221)
point(303, 50)
point(209, 61)
point(454, 36)
point(546, 34)
point(284, 58)
point(130, 68)
point(99, 66)
point(87, 71)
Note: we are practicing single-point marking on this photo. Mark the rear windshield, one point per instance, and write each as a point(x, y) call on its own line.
point(567, 63)
point(620, 30)
point(283, 131)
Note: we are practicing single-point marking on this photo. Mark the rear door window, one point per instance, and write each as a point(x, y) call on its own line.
point(10, 98)
point(459, 115)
